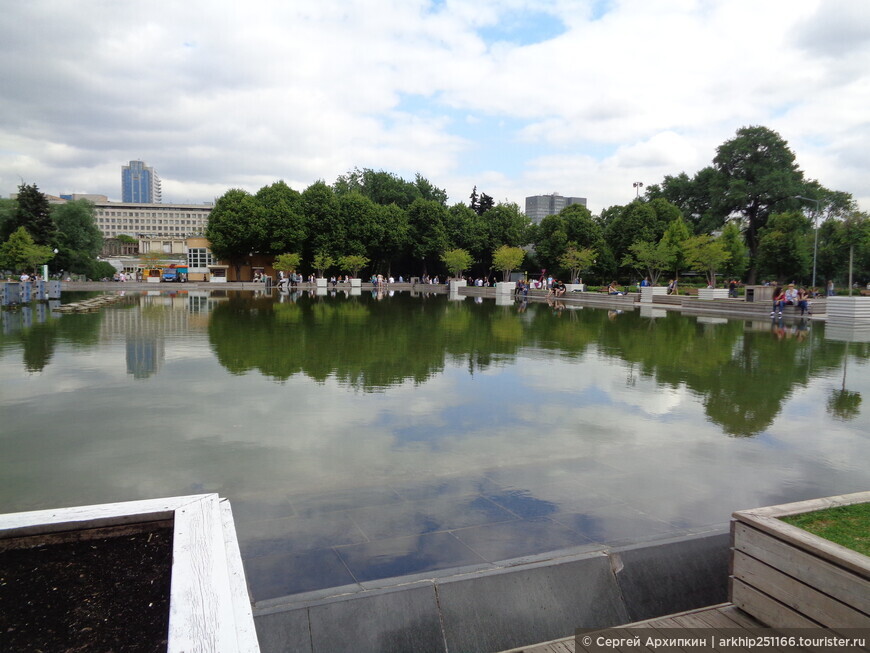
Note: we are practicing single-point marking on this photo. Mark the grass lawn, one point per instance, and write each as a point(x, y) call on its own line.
point(848, 526)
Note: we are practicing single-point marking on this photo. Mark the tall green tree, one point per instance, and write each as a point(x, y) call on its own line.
point(7, 215)
point(283, 223)
point(33, 212)
point(235, 227)
point(359, 221)
point(675, 238)
point(78, 240)
point(427, 233)
point(323, 223)
point(551, 240)
point(756, 176)
point(784, 247)
point(636, 222)
point(392, 236)
point(738, 260)
point(465, 230)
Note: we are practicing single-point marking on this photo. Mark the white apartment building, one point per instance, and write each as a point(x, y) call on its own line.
point(147, 220)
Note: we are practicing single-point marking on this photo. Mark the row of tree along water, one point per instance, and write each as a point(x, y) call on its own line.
point(750, 214)
point(744, 216)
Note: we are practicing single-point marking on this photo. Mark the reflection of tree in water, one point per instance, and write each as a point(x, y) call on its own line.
point(365, 344)
point(742, 377)
point(38, 341)
point(844, 404)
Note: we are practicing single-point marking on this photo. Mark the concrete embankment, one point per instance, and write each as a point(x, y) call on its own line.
point(518, 603)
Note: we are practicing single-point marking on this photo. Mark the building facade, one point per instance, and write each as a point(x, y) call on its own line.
point(139, 183)
point(539, 207)
point(151, 220)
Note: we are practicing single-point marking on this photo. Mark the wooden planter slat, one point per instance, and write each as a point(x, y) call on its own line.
point(787, 577)
point(767, 610)
point(202, 612)
point(804, 599)
point(825, 576)
point(246, 634)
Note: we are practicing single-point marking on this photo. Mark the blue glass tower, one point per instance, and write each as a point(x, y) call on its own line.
point(139, 183)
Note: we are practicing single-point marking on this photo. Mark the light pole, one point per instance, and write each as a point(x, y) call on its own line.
point(637, 186)
point(815, 229)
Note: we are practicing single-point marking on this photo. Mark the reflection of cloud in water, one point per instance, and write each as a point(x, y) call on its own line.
point(521, 437)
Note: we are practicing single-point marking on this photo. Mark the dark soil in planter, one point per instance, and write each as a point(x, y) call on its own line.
point(88, 591)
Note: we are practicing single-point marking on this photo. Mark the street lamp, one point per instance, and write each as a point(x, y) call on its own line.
point(815, 228)
point(637, 186)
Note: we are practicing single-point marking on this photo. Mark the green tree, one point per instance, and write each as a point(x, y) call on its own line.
point(323, 224)
point(283, 223)
point(708, 254)
point(101, 270)
point(733, 243)
point(353, 263)
point(78, 240)
point(636, 222)
point(235, 227)
point(551, 240)
point(21, 254)
point(506, 224)
point(465, 230)
point(577, 260)
point(649, 258)
point(507, 259)
point(393, 234)
point(457, 261)
point(33, 212)
point(322, 262)
point(427, 233)
point(675, 238)
point(756, 176)
point(428, 191)
point(784, 246)
point(693, 196)
point(7, 216)
point(359, 219)
point(287, 262)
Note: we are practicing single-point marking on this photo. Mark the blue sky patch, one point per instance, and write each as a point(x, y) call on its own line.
point(523, 28)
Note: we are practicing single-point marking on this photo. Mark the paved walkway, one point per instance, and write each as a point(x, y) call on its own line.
point(722, 616)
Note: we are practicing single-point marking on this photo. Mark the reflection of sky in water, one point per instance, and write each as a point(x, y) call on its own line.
point(332, 485)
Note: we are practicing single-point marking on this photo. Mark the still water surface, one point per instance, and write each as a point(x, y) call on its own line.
point(363, 438)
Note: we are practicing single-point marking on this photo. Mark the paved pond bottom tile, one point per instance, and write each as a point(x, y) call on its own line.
point(406, 555)
point(281, 575)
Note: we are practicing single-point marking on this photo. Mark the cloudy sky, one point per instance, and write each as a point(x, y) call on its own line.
point(518, 97)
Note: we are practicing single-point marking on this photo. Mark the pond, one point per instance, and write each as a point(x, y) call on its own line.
point(361, 438)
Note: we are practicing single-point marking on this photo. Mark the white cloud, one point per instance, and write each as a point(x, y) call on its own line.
point(223, 94)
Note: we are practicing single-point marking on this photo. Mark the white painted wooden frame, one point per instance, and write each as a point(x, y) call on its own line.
point(209, 608)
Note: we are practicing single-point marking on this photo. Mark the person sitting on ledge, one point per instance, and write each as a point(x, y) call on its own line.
point(803, 301)
point(559, 288)
point(778, 301)
point(612, 289)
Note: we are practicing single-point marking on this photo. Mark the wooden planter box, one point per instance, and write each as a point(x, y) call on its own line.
point(209, 607)
point(787, 577)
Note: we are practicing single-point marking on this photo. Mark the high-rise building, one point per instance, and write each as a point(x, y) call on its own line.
point(139, 183)
point(539, 207)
